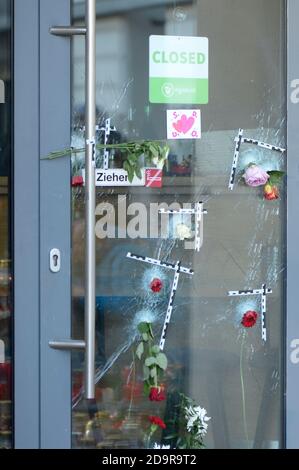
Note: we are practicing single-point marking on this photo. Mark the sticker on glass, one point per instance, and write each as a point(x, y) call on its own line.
point(184, 124)
point(178, 69)
point(153, 178)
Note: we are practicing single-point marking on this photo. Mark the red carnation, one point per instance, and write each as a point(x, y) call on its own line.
point(271, 192)
point(77, 181)
point(156, 285)
point(157, 421)
point(249, 319)
point(157, 394)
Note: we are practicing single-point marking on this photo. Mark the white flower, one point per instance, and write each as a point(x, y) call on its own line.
point(157, 446)
point(183, 231)
point(197, 420)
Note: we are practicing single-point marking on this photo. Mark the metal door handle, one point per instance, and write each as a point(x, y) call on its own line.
point(90, 126)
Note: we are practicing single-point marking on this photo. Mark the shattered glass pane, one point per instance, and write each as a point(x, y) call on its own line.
point(227, 369)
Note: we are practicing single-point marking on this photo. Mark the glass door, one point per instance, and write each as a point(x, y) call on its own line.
point(194, 255)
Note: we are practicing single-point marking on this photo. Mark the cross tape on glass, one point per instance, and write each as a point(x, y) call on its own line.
point(244, 140)
point(106, 160)
point(233, 172)
point(107, 129)
point(170, 305)
point(263, 293)
point(178, 270)
point(92, 142)
point(274, 148)
point(157, 262)
point(198, 211)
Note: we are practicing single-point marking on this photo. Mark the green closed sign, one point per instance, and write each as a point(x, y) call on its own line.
point(179, 70)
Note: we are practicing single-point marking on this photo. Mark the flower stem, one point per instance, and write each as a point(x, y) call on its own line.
point(148, 442)
point(132, 389)
point(243, 390)
point(121, 146)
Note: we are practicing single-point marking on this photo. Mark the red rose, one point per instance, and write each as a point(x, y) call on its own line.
point(271, 192)
point(77, 181)
point(157, 394)
point(156, 285)
point(249, 319)
point(157, 421)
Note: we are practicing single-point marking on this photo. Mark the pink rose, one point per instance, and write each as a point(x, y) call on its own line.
point(255, 176)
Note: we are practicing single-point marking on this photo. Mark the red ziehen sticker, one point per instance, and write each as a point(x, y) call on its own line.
point(153, 178)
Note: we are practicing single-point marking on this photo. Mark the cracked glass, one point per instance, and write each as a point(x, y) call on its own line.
point(224, 339)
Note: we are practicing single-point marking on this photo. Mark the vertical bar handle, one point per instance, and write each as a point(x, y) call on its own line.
point(90, 258)
point(90, 200)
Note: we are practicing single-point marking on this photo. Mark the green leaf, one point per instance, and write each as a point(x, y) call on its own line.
point(150, 330)
point(154, 152)
point(126, 166)
point(153, 372)
point(138, 172)
point(145, 336)
point(132, 158)
point(155, 349)
point(146, 373)
point(143, 327)
point(131, 174)
point(165, 152)
point(162, 361)
point(129, 169)
point(277, 173)
point(275, 176)
point(146, 388)
point(154, 428)
point(150, 361)
point(140, 350)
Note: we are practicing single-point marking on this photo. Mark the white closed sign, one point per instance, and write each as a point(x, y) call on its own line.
point(116, 177)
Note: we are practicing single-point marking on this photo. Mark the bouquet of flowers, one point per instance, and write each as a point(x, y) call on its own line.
point(193, 425)
point(256, 176)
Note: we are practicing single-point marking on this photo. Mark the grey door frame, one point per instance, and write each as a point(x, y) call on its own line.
point(42, 221)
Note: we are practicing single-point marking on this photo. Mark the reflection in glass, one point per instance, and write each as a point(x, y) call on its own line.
point(212, 357)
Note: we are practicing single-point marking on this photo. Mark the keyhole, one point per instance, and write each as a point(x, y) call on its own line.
point(55, 259)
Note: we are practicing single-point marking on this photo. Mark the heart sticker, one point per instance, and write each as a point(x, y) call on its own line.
point(184, 124)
